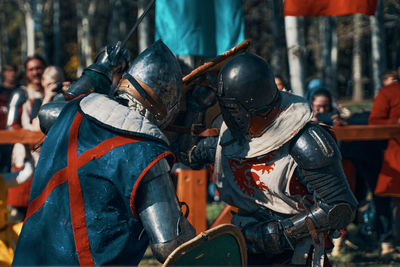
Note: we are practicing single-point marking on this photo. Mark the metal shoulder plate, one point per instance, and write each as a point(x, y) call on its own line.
point(314, 148)
point(319, 160)
point(155, 187)
point(160, 168)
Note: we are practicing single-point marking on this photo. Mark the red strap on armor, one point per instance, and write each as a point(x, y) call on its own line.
point(209, 132)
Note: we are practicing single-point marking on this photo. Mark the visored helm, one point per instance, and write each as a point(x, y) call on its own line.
point(155, 81)
point(247, 95)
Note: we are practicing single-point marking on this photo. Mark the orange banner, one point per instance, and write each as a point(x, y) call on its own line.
point(328, 7)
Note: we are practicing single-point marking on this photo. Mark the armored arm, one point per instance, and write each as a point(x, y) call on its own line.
point(319, 160)
point(203, 153)
point(98, 76)
point(160, 212)
point(48, 114)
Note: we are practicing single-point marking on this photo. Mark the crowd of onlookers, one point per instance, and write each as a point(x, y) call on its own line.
point(20, 100)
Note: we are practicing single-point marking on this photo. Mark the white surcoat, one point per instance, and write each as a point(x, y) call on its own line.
point(256, 174)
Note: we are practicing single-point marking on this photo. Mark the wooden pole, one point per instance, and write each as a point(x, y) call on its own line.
point(20, 136)
point(192, 189)
point(225, 216)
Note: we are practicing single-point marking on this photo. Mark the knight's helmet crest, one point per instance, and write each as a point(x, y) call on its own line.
point(155, 81)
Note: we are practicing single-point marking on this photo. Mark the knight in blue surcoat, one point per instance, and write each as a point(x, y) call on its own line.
point(102, 189)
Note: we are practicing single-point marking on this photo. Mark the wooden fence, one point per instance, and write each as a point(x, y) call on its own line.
point(192, 184)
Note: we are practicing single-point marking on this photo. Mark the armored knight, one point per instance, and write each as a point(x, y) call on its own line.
point(102, 189)
point(282, 171)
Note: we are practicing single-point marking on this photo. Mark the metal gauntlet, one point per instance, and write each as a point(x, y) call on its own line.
point(98, 76)
point(266, 237)
point(160, 212)
point(317, 220)
point(203, 153)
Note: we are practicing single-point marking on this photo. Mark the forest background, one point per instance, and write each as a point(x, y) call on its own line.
point(342, 50)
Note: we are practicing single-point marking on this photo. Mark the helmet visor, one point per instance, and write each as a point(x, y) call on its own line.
point(236, 117)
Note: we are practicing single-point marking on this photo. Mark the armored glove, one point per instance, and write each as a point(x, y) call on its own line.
point(276, 236)
point(111, 60)
point(98, 76)
point(267, 237)
point(204, 152)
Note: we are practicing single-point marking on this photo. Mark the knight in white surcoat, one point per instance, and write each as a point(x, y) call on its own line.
point(279, 169)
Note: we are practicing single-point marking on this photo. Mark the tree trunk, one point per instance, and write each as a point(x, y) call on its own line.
point(80, 14)
point(56, 32)
point(30, 28)
point(144, 31)
point(41, 11)
point(24, 46)
point(100, 13)
point(4, 46)
point(377, 47)
point(325, 38)
point(276, 31)
point(122, 27)
point(114, 33)
point(358, 93)
point(87, 36)
point(334, 58)
point(295, 48)
point(85, 51)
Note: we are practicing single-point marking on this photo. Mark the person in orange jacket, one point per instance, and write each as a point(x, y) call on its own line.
point(386, 111)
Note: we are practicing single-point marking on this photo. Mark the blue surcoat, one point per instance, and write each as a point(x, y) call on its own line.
point(82, 202)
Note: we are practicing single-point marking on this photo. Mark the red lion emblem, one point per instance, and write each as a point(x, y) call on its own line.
point(246, 176)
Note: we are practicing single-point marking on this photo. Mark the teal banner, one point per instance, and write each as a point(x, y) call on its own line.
point(199, 27)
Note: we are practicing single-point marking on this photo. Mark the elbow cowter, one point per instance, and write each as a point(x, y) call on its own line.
point(161, 251)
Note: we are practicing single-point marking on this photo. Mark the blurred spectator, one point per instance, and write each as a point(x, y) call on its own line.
point(25, 101)
point(281, 84)
point(23, 108)
point(9, 75)
point(389, 77)
point(323, 109)
point(52, 83)
point(386, 111)
point(313, 86)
